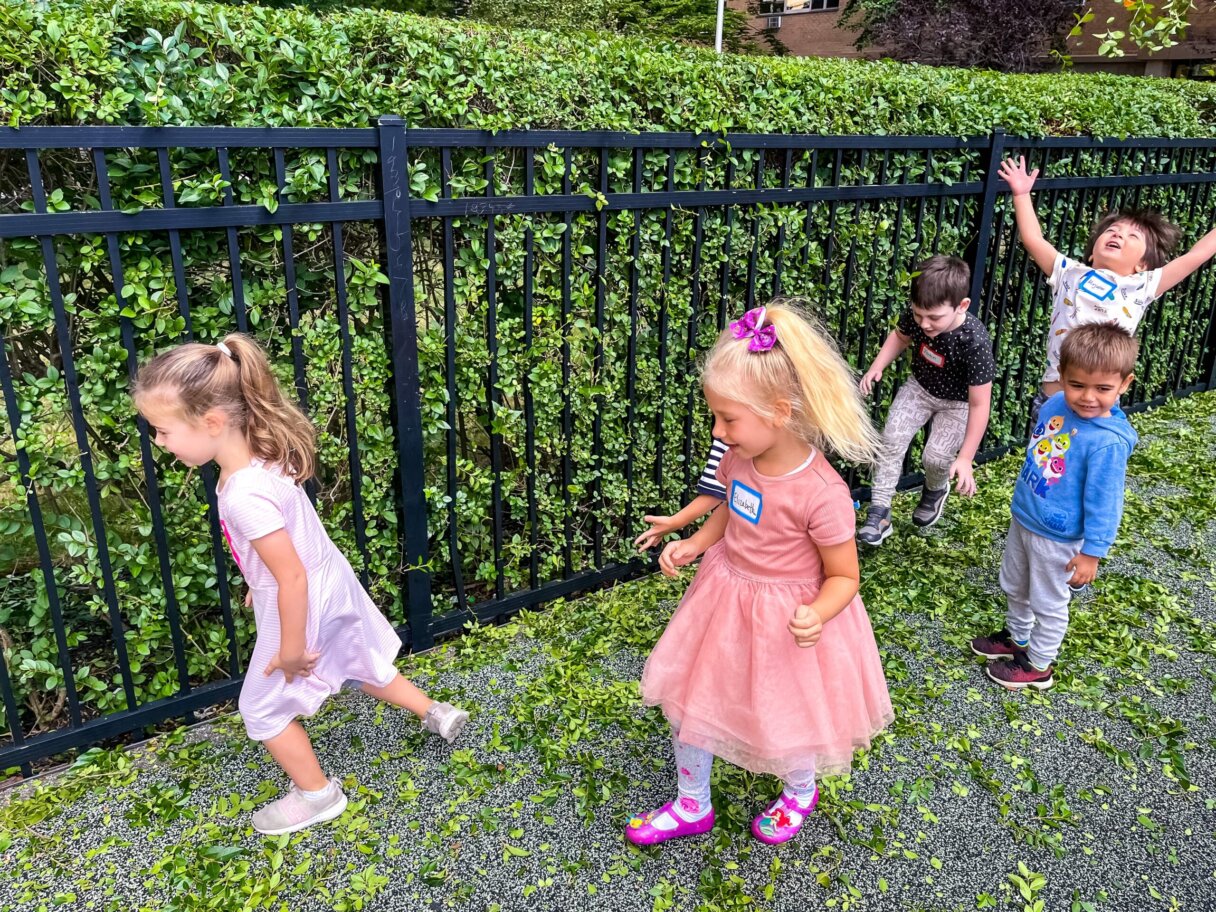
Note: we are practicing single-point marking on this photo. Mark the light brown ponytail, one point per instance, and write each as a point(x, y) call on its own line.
point(239, 382)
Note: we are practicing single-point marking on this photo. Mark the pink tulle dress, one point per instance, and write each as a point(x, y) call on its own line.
point(355, 640)
point(727, 672)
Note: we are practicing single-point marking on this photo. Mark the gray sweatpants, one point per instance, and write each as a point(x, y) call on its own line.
point(1035, 581)
point(910, 411)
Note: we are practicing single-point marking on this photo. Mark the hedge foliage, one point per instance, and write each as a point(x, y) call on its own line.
point(153, 62)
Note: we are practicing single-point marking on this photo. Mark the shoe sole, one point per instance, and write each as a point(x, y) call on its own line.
point(324, 817)
point(993, 655)
point(882, 537)
point(1021, 685)
point(941, 508)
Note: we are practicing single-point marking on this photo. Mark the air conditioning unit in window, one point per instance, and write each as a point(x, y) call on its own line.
point(774, 22)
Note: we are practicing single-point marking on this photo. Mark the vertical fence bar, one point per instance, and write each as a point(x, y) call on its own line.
point(64, 334)
point(289, 280)
point(234, 250)
point(529, 404)
point(348, 378)
point(631, 357)
point(45, 559)
point(596, 489)
point(399, 298)
point(492, 393)
point(168, 200)
point(694, 317)
point(567, 417)
point(979, 254)
point(453, 405)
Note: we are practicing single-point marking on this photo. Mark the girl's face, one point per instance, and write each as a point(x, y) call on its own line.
point(736, 425)
point(194, 443)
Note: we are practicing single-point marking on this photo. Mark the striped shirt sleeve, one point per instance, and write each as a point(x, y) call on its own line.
point(708, 483)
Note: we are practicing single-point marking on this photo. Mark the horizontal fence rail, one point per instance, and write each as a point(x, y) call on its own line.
point(496, 335)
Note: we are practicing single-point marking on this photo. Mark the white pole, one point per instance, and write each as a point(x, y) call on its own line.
point(718, 32)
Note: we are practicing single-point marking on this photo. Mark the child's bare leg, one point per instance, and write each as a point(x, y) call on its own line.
point(293, 751)
point(400, 692)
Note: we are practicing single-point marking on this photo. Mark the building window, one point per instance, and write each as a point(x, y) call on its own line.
point(780, 7)
point(773, 22)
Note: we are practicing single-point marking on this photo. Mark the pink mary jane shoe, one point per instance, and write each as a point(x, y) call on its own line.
point(641, 830)
point(783, 819)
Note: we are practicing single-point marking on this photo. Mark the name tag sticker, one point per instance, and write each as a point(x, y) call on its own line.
point(1097, 286)
point(931, 356)
point(746, 502)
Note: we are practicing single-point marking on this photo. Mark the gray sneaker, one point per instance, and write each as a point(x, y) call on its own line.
point(877, 527)
point(445, 720)
point(295, 812)
point(930, 508)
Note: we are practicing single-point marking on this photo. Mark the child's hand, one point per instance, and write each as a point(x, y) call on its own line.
point(1016, 177)
point(868, 379)
point(248, 598)
point(966, 480)
point(292, 667)
point(677, 554)
point(660, 526)
point(1084, 568)
point(806, 626)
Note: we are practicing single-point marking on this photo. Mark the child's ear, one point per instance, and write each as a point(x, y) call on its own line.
point(1127, 381)
point(214, 422)
point(782, 412)
point(964, 304)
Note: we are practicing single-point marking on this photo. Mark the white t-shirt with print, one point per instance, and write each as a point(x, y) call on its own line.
point(1084, 294)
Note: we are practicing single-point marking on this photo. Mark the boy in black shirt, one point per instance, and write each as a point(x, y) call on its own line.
point(951, 383)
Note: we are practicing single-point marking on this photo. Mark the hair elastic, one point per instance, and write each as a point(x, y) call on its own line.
point(226, 350)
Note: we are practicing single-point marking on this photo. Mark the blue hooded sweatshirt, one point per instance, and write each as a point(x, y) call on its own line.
point(1071, 485)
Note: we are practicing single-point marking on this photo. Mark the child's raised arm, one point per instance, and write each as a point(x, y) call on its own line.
point(1020, 184)
point(1177, 270)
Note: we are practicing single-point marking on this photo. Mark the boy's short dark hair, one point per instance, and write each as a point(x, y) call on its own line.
point(1100, 348)
point(1161, 235)
point(941, 280)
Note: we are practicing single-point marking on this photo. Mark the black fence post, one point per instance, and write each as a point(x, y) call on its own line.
point(403, 328)
point(983, 238)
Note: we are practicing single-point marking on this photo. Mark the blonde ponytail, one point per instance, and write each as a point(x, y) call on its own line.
point(235, 377)
point(805, 368)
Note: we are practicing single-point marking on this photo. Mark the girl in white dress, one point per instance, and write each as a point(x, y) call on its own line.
point(316, 627)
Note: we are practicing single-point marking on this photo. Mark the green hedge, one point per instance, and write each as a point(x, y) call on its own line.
point(169, 63)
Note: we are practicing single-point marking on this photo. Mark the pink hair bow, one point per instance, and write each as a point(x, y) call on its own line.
point(752, 327)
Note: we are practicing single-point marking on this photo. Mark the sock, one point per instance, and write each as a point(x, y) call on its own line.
point(693, 767)
point(800, 787)
point(1023, 643)
point(320, 794)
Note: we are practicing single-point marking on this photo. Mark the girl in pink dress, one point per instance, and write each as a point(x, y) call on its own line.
point(317, 628)
point(770, 662)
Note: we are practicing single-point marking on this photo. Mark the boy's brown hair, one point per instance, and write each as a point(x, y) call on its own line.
point(1161, 235)
point(1100, 348)
point(941, 280)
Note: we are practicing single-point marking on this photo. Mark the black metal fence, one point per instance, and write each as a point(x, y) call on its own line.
point(496, 421)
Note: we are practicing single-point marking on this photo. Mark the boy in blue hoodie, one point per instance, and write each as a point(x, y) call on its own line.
point(1067, 504)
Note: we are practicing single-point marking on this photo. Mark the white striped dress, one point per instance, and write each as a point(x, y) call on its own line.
point(355, 640)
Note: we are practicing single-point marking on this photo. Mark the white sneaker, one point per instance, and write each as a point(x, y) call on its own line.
point(295, 812)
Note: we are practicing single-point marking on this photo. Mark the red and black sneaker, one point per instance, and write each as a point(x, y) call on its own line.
point(1017, 673)
point(999, 645)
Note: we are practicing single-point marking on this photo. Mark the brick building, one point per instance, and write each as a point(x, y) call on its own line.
point(817, 34)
